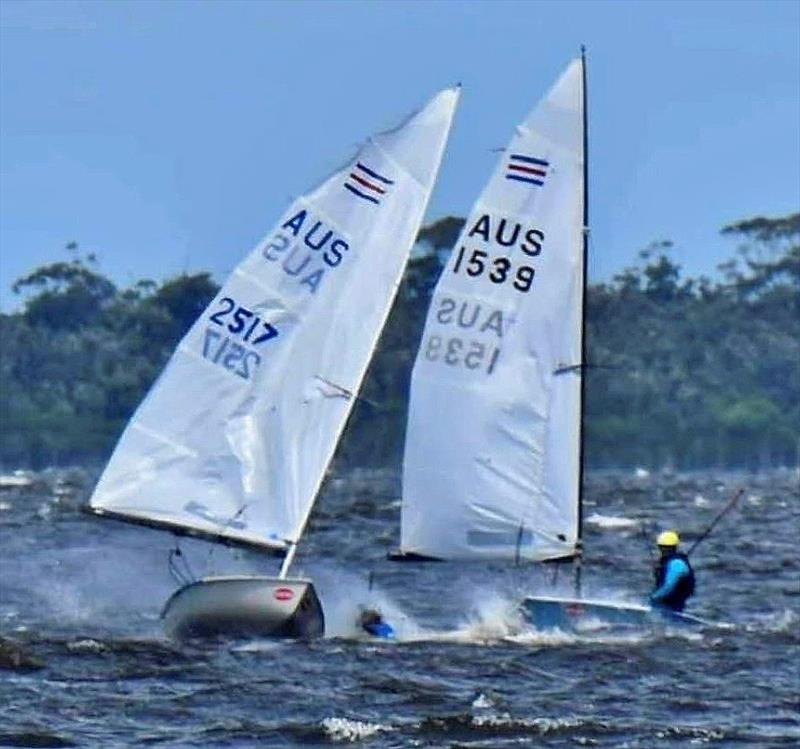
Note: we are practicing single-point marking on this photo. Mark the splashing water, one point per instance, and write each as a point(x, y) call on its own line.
point(345, 595)
point(344, 730)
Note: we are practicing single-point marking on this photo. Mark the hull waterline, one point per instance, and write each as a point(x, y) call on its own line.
point(245, 606)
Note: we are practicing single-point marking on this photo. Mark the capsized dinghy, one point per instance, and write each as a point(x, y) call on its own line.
point(233, 441)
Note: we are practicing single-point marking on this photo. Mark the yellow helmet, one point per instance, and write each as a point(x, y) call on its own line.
point(668, 538)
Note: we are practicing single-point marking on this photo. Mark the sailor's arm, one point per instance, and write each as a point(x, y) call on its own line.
point(676, 569)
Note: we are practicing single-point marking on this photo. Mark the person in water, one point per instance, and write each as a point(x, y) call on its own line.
point(372, 622)
point(674, 574)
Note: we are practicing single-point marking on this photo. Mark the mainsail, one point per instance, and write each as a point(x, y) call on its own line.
point(492, 455)
point(234, 438)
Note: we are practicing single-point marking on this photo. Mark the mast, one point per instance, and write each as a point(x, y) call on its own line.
point(583, 316)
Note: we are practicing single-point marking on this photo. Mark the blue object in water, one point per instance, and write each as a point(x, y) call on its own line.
point(380, 629)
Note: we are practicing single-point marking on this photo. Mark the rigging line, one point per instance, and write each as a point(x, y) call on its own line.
point(555, 575)
point(238, 512)
point(343, 392)
point(565, 368)
point(172, 570)
point(646, 531)
point(716, 520)
point(223, 524)
point(176, 560)
point(210, 559)
point(517, 554)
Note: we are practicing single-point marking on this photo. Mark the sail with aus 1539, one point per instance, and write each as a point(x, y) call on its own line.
point(492, 465)
point(233, 440)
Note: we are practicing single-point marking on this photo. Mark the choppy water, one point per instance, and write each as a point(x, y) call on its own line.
point(83, 661)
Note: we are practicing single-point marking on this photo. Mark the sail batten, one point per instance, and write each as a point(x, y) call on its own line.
point(491, 462)
point(235, 436)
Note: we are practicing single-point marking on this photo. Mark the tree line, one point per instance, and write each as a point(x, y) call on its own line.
point(681, 372)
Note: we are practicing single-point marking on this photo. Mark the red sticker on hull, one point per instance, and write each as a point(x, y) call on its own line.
point(284, 594)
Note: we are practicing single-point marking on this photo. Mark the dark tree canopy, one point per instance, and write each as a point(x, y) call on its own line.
point(683, 372)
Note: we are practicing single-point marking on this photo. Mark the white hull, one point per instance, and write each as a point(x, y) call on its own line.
point(245, 606)
point(570, 614)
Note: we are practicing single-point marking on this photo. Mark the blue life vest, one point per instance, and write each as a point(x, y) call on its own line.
point(684, 587)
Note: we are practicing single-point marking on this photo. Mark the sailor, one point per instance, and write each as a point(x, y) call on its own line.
point(674, 574)
point(372, 622)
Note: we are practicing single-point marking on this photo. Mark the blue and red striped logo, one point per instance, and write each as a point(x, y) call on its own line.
point(528, 169)
point(367, 184)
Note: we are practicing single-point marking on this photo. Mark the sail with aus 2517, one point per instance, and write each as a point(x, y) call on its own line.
point(234, 438)
point(491, 466)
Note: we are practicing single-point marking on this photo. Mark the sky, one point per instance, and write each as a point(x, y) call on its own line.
point(168, 137)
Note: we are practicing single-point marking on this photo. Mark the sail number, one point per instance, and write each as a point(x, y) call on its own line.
point(458, 352)
point(498, 269)
point(235, 321)
point(507, 235)
point(245, 322)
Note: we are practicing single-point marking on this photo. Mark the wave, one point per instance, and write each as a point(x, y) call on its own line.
point(611, 522)
point(346, 730)
point(484, 720)
point(35, 738)
point(775, 622)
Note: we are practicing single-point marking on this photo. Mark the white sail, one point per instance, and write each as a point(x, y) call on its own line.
point(491, 467)
point(235, 436)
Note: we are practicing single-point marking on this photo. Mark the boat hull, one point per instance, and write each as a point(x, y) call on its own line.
point(245, 607)
point(574, 614)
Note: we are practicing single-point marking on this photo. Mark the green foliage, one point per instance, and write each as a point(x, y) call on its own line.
point(78, 359)
point(707, 374)
point(441, 234)
point(65, 295)
point(682, 372)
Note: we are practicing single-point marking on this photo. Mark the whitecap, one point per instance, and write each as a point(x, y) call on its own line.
point(610, 521)
point(86, 646)
point(257, 646)
point(774, 621)
point(346, 730)
point(482, 702)
point(16, 480)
